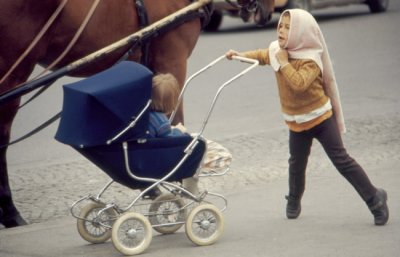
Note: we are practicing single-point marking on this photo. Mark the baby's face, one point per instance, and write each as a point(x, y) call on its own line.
point(283, 31)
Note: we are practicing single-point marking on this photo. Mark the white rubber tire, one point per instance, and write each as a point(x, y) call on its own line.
point(131, 233)
point(89, 229)
point(167, 206)
point(204, 225)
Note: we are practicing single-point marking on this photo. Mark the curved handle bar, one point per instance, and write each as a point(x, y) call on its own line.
point(254, 63)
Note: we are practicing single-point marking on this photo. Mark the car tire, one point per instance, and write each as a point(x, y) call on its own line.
point(291, 4)
point(377, 6)
point(215, 21)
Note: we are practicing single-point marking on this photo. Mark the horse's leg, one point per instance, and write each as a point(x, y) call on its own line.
point(10, 216)
point(20, 21)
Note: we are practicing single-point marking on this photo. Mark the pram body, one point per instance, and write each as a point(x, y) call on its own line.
point(105, 118)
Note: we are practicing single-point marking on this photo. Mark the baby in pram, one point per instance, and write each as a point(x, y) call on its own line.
point(164, 97)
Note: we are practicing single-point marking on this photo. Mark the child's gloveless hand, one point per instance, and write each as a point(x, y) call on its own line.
point(282, 56)
point(231, 53)
point(180, 127)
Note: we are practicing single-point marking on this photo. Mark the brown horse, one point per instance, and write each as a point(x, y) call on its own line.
point(22, 20)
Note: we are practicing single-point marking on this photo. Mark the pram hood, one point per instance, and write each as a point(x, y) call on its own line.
point(97, 108)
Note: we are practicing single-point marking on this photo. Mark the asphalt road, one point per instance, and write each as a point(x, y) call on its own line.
point(46, 176)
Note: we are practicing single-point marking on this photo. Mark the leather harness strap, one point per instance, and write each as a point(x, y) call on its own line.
point(143, 22)
point(204, 14)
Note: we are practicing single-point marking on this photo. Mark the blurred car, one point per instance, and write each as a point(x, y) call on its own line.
point(222, 8)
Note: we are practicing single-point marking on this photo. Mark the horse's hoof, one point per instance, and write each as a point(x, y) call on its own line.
point(10, 222)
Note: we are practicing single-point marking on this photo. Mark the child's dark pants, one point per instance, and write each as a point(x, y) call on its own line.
point(327, 133)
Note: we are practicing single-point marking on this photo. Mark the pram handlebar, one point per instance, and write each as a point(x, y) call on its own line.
point(253, 63)
point(189, 80)
point(245, 59)
point(239, 58)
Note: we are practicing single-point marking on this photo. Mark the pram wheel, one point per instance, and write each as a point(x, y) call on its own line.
point(167, 208)
point(90, 224)
point(131, 233)
point(204, 224)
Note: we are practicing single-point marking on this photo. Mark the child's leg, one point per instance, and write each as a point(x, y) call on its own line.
point(330, 139)
point(299, 147)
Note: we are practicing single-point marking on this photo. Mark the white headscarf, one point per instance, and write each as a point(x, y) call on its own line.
point(305, 41)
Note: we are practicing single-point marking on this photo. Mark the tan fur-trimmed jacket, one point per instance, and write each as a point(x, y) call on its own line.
point(300, 88)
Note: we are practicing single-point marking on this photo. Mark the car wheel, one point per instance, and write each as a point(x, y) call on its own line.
point(376, 6)
point(215, 21)
point(291, 4)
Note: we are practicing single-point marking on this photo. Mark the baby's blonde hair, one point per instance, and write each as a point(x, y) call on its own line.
point(165, 93)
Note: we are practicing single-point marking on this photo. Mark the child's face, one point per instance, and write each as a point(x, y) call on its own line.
point(283, 31)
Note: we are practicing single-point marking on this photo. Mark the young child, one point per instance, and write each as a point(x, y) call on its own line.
point(311, 108)
point(164, 98)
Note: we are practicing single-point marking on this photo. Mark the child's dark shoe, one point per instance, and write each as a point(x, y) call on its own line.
point(379, 208)
point(293, 207)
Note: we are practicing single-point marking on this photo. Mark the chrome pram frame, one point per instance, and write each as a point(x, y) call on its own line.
point(99, 221)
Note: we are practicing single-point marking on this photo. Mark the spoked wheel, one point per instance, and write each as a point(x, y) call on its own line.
point(167, 208)
point(204, 224)
point(131, 233)
point(90, 228)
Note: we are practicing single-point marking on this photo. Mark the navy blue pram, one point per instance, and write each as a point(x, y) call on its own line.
point(97, 109)
point(105, 118)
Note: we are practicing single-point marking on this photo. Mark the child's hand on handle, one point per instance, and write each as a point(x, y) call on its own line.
point(231, 53)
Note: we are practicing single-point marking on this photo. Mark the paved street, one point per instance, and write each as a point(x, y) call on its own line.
point(46, 176)
point(331, 224)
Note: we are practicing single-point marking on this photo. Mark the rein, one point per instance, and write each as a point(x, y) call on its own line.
point(67, 49)
point(74, 39)
point(62, 55)
point(35, 40)
point(34, 131)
